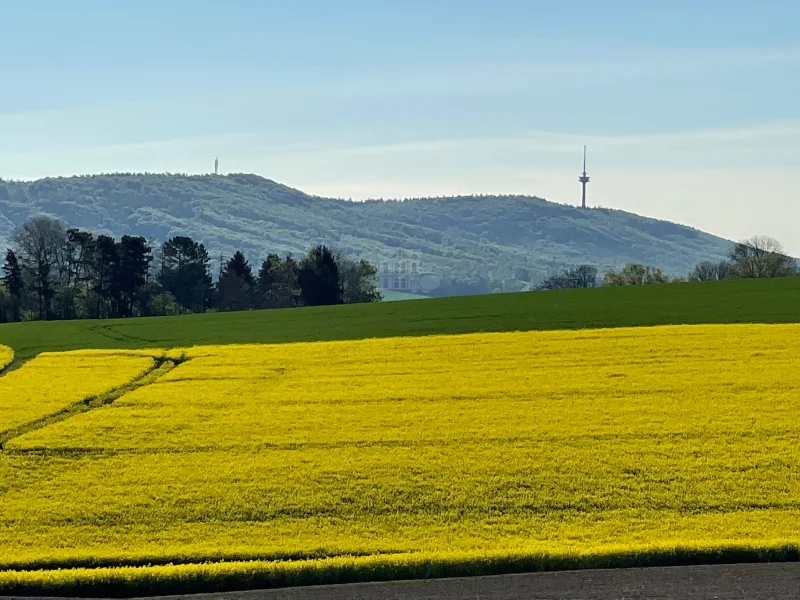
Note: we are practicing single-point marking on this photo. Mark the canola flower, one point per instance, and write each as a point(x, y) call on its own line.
point(194, 578)
point(52, 382)
point(527, 447)
point(6, 356)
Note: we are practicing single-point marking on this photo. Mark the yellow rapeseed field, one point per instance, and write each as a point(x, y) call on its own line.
point(53, 382)
point(481, 447)
point(6, 356)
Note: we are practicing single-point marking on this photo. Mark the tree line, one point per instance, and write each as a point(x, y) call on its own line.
point(757, 257)
point(53, 271)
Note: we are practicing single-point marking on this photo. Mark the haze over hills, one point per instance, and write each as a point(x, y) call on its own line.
point(481, 243)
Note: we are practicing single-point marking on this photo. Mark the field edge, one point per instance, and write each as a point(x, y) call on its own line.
point(6, 358)
point(125, 582)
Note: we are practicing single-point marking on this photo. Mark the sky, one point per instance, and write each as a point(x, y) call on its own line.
point(689, 109)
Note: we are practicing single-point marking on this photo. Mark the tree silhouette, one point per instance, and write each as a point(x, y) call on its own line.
point(185, 273)
point(319, 278)
point(13, 283)
point(236, 284)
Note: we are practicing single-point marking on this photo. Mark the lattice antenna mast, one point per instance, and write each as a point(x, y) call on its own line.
point(584, 179)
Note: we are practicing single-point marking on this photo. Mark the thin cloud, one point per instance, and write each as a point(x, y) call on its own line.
point(773, 142)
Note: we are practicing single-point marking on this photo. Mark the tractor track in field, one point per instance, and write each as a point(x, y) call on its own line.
point(15, 364)
point(111, 332)
point(160, 367)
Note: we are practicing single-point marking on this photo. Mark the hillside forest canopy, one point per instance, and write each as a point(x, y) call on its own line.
point(54, 271)
point(472, 244)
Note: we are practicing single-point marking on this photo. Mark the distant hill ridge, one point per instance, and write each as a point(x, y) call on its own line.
point(482, 243)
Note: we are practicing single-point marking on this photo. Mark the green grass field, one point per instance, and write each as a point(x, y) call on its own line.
point(745, 301)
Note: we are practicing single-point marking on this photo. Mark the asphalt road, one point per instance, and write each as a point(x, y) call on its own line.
point(777, 581)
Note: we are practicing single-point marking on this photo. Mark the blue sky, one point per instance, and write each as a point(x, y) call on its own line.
point(690, 109)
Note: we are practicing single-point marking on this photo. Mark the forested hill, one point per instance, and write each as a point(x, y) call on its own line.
point(494, 242)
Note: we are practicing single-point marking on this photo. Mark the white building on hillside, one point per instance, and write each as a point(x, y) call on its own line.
point(400, 272)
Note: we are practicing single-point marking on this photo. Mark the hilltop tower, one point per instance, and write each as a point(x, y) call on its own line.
point(216, 166)
point(584, 179)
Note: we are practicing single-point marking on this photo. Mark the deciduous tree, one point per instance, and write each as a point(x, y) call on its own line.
point(635, 274)
point(582, 276)
point(358, 280)
point(709, 271)
point(760, 256)
point(38, 245)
